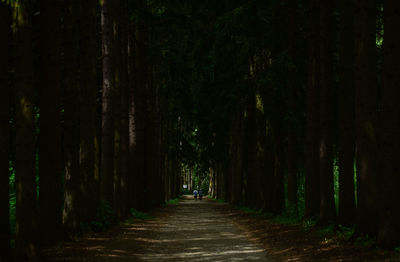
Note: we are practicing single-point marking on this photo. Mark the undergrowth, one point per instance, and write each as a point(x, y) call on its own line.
point(173, 201)
point(105, 217)
point(140, 215)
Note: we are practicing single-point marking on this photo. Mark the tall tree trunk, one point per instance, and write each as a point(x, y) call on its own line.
point(236, 144)
point(140, 102)
point(116, 55)
point(90, 51)
point(389, 228)
point(312, 193)
point(292, 150)
point(124, 96)
point(50, 162)
point(132, 114)
point(72, 196)
point(278, 198)
point(107, 132)
point(50, 132)
point(366, 117)
point(5, 32)
point(26, 216)
point(346, 143)
point(327, 208)
point(250, 145)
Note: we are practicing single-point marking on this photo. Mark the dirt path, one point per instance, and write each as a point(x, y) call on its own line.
point(189, 231)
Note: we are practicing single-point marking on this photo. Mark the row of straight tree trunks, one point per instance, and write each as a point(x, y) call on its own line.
point(84, 117)
point(350, 118)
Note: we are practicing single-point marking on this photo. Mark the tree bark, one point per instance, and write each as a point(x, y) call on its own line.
point(366, 117)
point(346, 144)
point(292, 150)
point(140, 102)
point(26, 216)
point(5, 32)
point(250, 144)
point(90, 51)
point(124, 96)
point(72, 180)
point(107, 132)
point(312, 193)
point(132, 114)
point(50, 162)
point(389, 228)
point(327, 206)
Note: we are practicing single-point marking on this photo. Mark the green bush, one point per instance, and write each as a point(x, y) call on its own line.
point(173, 201)
point(105, 217)
point(186, 191)
point(139, 215)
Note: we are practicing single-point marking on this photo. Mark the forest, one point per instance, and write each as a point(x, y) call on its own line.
point(285, 106)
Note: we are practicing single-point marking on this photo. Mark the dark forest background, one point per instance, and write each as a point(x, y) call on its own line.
point(284, 106)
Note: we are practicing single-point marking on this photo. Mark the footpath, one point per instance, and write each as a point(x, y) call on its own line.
point(207, 230)
point(191, 230)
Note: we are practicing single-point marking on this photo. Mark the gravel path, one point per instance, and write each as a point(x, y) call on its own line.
point(188, 231)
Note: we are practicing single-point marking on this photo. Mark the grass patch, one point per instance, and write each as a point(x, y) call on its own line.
point(255, 212)
point(286, 219)
point(105, 217)
point(365, 241)
point(327, 231)
point(215, 199)
point(345, 232)
point(308, 224)
point(140, 215)
point(173, 201)
point(135, 215)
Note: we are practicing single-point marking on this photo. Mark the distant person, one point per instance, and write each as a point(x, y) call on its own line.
point(200, 194)
point(195, 194)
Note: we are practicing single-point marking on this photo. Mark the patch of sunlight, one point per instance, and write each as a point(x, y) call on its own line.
point(26, 108)
point(259, 103)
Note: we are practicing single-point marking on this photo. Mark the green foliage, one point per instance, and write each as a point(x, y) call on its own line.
point(173, 201)
point(255, 212)
point(140, 215)
point(309, 224)
point(13, 200)
point(287, 219)
point(365, 241)
point(185, 191)
point(336, 182)
point(105, 217)
point(205, 183)
point(220, 201)
point(300, 193)
point(326, 231)
point(345, 232)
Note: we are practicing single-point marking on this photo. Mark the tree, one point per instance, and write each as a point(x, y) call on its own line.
point(389, 229)
point(312, 194)
point(72, 214)
point(132, 108)
point(26, 216)
point(124, 96)
point(327, 208)
point(140, 101)
point(107, 131)
point(293, 107)
point(89, 52)
point(346, 106)
point(50, 131)
point(5, 31)
point(366, 117)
